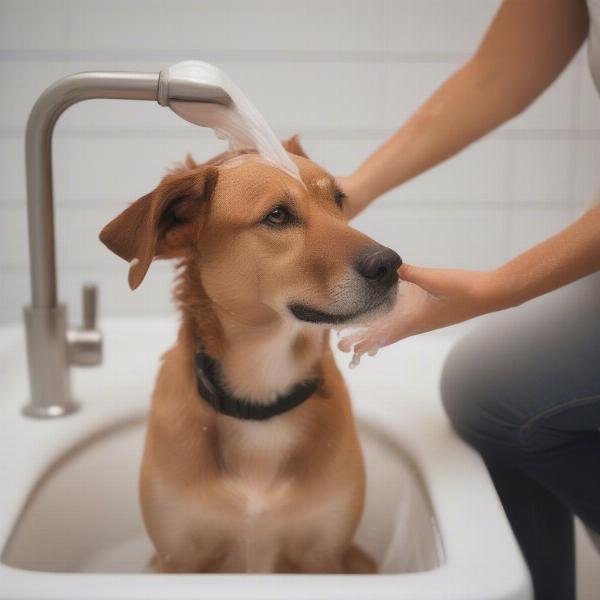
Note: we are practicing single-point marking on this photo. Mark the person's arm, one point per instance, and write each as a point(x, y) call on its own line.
point(443, 297)
point(526, 47)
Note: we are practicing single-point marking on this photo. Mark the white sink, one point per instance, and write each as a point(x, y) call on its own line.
point(70, 520)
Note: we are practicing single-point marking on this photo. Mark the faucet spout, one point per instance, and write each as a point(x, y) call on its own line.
point(49, 345)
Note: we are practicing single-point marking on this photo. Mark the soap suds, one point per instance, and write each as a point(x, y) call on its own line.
point(396, 324)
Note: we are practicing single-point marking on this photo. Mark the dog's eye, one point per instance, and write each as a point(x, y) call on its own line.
point(279, 216)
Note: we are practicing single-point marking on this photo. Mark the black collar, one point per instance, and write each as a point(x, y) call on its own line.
point(207, 376)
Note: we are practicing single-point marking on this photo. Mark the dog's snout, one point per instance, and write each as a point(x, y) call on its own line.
point(379, 265)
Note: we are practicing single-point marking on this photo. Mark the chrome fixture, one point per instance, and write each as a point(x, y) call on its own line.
point(51, 346)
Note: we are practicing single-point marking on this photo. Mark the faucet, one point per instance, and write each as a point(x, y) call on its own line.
point(51, 346)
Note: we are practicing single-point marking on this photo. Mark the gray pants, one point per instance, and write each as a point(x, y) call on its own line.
point(524, 390)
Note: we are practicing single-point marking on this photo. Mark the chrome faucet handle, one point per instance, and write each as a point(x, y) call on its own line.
point(85, 342)
point(90, 306)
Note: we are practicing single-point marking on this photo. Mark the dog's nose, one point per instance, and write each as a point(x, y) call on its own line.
point(379, 264)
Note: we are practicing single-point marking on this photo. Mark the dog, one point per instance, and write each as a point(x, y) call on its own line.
point(252, 462)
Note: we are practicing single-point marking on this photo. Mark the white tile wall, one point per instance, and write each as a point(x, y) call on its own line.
point(453, 236)
point(586, 184)
point(344, 73)
point(443, 27)
point(588, 107)
point(541, 170)
point(475, 177)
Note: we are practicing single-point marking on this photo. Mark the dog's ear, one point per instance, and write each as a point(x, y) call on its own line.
point(163, 223)
point(293, 146)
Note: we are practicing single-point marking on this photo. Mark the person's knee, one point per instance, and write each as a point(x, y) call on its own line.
point(459, 396)
point(473, 400)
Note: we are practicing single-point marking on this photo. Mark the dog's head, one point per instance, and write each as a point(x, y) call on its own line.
point(261, 242)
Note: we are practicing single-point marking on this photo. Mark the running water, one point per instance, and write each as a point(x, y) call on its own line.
point(239, 123)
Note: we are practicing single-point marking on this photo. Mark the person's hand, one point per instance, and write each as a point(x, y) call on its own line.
point(428, 299)
point(356, 199)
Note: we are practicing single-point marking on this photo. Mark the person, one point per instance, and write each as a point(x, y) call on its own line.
point(524, 390)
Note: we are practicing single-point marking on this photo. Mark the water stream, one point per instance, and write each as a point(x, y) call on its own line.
point(239, 123)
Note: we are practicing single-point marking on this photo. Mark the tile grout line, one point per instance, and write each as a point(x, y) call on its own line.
point(509, 200)
point(315, 133)
point(573, 146)
point(236, 55)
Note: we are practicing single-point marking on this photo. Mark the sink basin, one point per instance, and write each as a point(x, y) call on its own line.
point(84, 517)
point(70, 523)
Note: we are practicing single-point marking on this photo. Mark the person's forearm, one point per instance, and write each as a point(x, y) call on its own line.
point(526, 47)
point(465, 108)
point(569, 255)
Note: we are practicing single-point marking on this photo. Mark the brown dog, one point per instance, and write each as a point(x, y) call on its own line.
point(252, 462)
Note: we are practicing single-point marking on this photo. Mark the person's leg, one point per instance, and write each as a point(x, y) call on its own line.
point(525, 392)
point(543, 525)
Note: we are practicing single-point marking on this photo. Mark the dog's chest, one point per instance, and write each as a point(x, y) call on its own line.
point(259, 506)
point(254, 454)
point(272, 509)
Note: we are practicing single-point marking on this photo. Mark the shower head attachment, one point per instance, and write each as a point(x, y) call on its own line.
point(193, 89)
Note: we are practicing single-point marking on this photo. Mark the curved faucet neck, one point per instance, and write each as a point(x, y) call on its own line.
point(38, 161)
